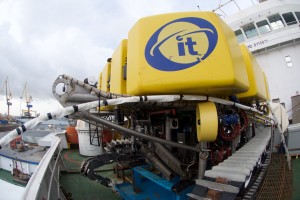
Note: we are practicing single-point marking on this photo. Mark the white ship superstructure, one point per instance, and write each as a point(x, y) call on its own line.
point(271, 31)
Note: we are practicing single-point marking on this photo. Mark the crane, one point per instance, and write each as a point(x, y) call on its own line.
point(7, 94)
point(28, 100)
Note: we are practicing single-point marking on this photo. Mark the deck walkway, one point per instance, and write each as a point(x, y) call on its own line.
point(296, 178)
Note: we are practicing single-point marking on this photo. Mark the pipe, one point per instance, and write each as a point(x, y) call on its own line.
point(168, 128)
point(81, 98)
point(202, 162)
point(137, 134)
point(92, 88)
point(167, 111)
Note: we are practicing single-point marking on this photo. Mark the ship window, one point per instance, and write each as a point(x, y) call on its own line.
point(276, 21)
point(289, 18)
point(288, 61)
point(250, 30)
point(277, 100)
point(263, 26)
point(239, 35)
point(298, 15)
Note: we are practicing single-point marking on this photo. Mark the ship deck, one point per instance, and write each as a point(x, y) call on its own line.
point(7, 177)
point(296, 178)
point(83, 188)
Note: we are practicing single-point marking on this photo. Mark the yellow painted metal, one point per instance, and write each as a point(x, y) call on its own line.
point(107, 108)
point(207, 122)
point(257, 87)
point(105, 82)
point(118, 82)
point(267, 87)
point(99, 81)
point(222, 72)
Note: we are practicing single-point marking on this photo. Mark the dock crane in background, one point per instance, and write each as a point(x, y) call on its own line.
point(28, 100)
point(8, 95)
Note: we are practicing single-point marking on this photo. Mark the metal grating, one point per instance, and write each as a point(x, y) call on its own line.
point(278, 183)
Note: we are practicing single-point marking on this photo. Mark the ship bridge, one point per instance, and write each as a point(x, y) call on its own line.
point(267, 25)
point(271, 31)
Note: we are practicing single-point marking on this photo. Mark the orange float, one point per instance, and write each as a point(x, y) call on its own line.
point(71, 135)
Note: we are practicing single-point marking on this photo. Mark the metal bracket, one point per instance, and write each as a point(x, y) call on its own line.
point(217, 186)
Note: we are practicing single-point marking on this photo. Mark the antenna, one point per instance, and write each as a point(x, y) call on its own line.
point(220, 7)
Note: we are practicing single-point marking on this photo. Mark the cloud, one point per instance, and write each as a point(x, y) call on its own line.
point(40, 40)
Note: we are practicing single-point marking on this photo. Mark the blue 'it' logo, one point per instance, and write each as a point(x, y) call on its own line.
point(181, 44)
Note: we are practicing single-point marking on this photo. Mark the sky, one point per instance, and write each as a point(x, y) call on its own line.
point(40, 40)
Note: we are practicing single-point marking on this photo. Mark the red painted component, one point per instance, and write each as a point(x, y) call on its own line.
point(13, 143)
point(167, 111)
point(106, 136)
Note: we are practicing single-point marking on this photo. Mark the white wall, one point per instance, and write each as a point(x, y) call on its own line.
point(6, 163)
point(284, 82)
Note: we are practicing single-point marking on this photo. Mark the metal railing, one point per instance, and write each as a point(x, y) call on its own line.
point(40, 183)
point(52, 175)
